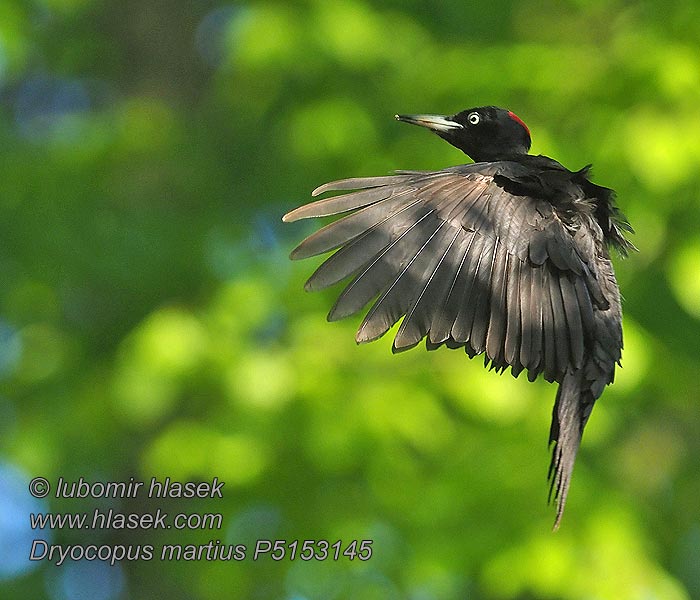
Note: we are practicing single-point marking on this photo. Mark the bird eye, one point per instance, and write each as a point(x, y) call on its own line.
point(474, 118)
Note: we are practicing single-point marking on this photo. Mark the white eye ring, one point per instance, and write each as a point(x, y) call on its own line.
point(474, 118)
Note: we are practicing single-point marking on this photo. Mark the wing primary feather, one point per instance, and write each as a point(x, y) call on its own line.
point(338, 204)
point(561, 331)
point(461, 328)
point(526, 315)
point(351, 226)
point(359, 251)
point(480, 324)
point(495, 335)
point(419, 316)
point(548, 328)
point(536, 364)
point(515, 237)
point(513, 325)
point(377, 274)
point(358, 183)
point(573, 319)
point(397, 297)
point(585, 307)
point(444, 318)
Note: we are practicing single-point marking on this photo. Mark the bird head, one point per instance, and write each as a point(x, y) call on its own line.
point(485, 133)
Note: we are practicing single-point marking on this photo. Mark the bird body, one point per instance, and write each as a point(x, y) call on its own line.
point(507, 256)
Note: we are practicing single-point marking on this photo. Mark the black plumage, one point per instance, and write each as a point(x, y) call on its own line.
point(507, 256)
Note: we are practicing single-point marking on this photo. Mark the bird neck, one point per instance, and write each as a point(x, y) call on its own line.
point(493, 155)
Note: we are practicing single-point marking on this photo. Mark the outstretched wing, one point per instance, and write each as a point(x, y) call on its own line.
point(474, 256)
point(466, 263)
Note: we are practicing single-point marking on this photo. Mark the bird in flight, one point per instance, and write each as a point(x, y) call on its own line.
point(507, 257)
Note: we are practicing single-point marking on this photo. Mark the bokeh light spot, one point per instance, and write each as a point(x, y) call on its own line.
point(10, 348)
point(262, 380)
point(154, 361)
point(44, 106)
point(16, 504)
point(685, 276)
point(188, 450)
point(636, 358)
point(86, 580)
point(44, 352)
point(328, 128)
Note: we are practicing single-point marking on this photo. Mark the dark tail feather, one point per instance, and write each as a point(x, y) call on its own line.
point(571, 411)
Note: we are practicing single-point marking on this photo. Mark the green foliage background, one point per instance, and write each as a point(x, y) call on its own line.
point(151, 324)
